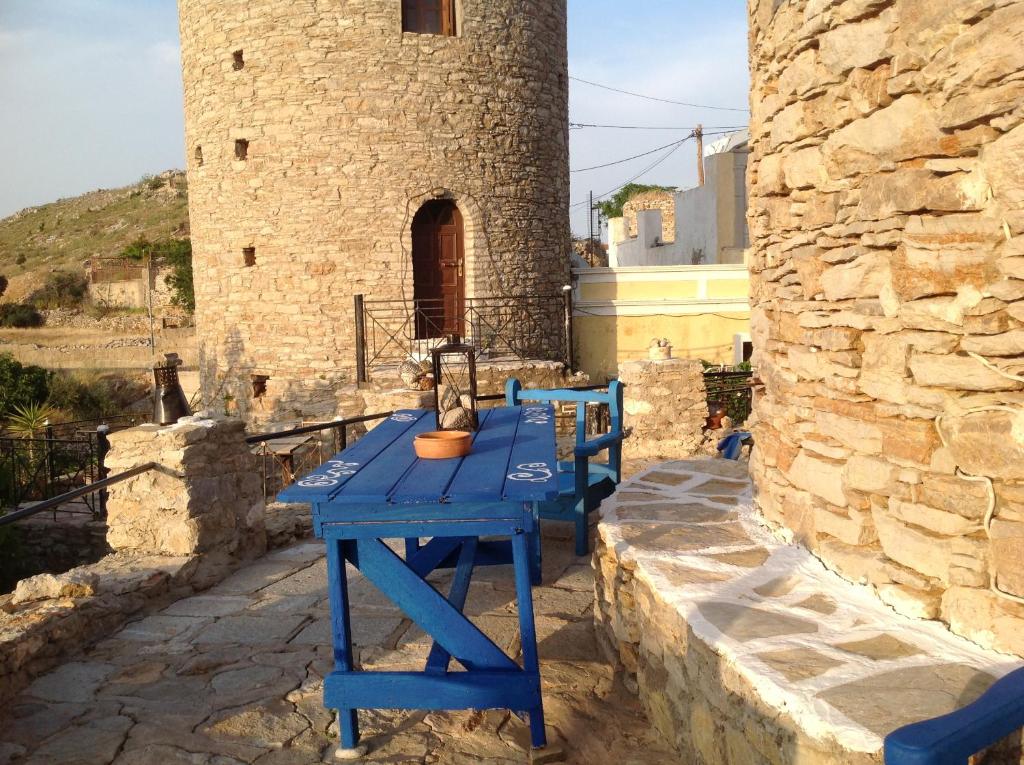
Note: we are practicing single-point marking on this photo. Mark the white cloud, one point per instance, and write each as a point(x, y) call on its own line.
point(165, 53)
point(11, 39)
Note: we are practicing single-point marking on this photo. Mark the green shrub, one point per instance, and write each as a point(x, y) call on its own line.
point(612, 208)
point(81, 396)
point(177, 253)
point(180, 280)
point(20, 260)
point(3, 285)
point(62, 289)
point(20, 316)
point(21, 385)
point(138, 249)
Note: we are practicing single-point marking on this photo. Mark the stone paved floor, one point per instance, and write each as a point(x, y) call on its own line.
point(234, 676)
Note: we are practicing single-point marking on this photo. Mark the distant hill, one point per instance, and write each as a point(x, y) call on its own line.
point(66, 233)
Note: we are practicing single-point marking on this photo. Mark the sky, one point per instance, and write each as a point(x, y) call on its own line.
point(91, 95)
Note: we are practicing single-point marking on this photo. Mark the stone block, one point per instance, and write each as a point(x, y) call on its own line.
point(872, 475)
point(989, 443)
point(821, 477)
point(1008, 556)
point(913, 546)
point(938, 521)
point(958, 373)
point(77, 583)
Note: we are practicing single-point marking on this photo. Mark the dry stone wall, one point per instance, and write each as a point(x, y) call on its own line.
point(666, 407)
point(348, 125)
point(887, 222)
point(665, 201)
point(203, 498)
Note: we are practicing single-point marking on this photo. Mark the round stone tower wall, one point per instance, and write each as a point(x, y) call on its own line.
point(887, 222)
point(316, 130)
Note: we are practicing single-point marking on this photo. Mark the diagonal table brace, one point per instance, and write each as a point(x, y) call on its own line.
point(462, 639)
point(437, 662)
point(423, 560)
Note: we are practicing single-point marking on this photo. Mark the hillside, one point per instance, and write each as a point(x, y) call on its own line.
point(66, 233)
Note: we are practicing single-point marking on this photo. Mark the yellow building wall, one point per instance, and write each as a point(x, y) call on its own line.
point(646, 306)
point(604, 342)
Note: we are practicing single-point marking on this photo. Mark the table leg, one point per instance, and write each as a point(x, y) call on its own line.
point(536, 557)
point(522, 560)
point(341, 629)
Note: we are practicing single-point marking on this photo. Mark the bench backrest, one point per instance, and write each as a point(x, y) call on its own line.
point(515, 395)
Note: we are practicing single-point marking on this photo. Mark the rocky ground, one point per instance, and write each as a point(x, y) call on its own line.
point(234, 676)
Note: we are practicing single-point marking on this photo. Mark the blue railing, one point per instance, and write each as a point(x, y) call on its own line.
point(954, 738)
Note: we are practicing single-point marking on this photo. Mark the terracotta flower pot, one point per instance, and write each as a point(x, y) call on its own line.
point(442, 445)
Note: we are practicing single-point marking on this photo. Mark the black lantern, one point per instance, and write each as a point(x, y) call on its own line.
point(169, 402)
point(454, 366)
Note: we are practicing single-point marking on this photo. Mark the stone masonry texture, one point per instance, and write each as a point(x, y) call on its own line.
point(351, 125)
point(886, 219)
point(205, 496)
point(652, 200)
point(665, 407)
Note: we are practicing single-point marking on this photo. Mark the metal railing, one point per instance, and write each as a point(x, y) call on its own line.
point(64, 456)
point(54, 502)
point(340, 430)
point(731, 391)
point(525, 327)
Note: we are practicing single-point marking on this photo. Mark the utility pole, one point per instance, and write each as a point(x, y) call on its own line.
point(698, 133)
point(150, 283)
point(591, 216)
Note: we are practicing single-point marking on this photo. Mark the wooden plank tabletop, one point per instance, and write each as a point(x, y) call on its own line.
point(513, 459)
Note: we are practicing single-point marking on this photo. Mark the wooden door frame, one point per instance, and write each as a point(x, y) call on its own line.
point(450, 324)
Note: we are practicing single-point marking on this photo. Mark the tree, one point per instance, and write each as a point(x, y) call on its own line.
point(177, 253)
point(612, 208)
point(21, 385)
point(179, 258)
point(62, 289)
point(20, 316)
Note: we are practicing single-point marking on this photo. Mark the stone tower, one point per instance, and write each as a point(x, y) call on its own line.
point(320, 133)
point(887, 221)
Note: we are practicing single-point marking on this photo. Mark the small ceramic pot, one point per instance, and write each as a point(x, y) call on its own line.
point(442, 444)
point(660, 352)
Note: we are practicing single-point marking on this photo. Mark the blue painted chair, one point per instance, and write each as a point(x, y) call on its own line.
point(952, 739)
point(582, 484)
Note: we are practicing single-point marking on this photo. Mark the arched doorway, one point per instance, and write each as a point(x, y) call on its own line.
point(438, 265)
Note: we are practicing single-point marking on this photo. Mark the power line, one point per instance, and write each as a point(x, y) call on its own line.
point(643, 172)
point(581, 125)
point(636, 156)
point(655, 98)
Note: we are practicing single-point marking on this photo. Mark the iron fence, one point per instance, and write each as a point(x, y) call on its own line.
point(280, 466)
point(730, 391)
point(64, 457)
point(503, 328)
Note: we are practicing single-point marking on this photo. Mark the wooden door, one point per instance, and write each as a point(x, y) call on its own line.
point(438, 257)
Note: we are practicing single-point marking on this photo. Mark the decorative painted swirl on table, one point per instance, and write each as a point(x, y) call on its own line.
point(402, 417)
point(534, 472)
point(336, 470)
point(538, 415)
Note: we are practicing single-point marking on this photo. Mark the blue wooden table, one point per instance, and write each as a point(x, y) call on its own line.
point(378, 489)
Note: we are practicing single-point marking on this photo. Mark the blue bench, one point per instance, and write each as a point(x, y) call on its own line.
point(582, 484)
point(952, 739)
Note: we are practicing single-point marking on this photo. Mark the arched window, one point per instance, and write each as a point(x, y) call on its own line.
point(431, 17)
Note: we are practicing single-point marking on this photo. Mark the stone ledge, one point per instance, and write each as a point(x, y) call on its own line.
point(745, 649)
point(49, 617)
